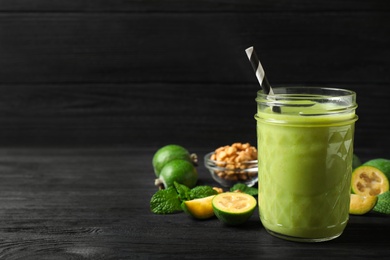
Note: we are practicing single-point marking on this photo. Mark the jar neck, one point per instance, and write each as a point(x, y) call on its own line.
point(307, 106)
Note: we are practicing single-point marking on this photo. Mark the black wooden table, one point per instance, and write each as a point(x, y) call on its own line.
point(93, 203)
point(90, 89)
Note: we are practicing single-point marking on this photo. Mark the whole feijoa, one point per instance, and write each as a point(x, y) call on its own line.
point(168, 153)
point(177, 170)
point(383, 204)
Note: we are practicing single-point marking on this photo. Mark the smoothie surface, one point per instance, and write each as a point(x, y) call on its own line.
point(307, 112)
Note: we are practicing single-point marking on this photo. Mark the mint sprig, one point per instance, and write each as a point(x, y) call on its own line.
point(244, 188)
point(168, 201)
point(183, 191)
point(165, 201)
point(199, 192)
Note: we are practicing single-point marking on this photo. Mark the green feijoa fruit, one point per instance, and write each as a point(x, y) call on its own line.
point(368, 181)
point(360, 204)
point(380, 163)
point(233, 208)
point(200, 208)
point(180, 171)
point(168, 153)
point(383, 203)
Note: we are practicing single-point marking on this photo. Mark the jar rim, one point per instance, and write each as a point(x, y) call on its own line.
point(303, 92)
point(303, 104)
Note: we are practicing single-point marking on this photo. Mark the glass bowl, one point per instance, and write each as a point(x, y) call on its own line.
point(228, 174)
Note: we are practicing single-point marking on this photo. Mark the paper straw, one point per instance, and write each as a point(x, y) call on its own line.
point(260, 74)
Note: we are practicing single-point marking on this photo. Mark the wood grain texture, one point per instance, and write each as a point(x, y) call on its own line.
point(94, 204)
point(90, 89)
point(311, 48)
point(146, 73)
point(156, 114)
point(193, 6)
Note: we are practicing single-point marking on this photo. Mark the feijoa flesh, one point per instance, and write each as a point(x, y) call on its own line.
point(360, 204)
point(368, 181)
point(382, 164)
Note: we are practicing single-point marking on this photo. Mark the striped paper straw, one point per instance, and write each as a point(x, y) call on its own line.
point(260, 74)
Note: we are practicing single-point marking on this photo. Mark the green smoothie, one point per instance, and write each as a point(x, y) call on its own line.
point(305, 165)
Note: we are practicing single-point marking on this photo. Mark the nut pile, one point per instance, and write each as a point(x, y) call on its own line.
point(235, 159)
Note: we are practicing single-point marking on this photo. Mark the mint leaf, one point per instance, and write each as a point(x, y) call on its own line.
point(245, 189)
point(182, 190)
point(165, 201)
point(201, 192)
point(169, 200)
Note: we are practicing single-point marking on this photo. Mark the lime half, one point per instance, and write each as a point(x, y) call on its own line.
point(233, 208)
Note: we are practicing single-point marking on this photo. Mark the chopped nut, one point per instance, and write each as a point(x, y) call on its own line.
point(217, 189)
point(221, 155)
point(232, 158)
point(231, 150)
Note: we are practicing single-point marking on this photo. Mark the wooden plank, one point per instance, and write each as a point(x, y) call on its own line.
point(156, 114)
point(192, 6)
point(94, 204)
point(294, 47)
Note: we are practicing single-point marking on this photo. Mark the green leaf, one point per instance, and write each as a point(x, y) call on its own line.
point(244, 188)
point(165, 202)
point(201, 192)
point(169, 200)
point(182, 190)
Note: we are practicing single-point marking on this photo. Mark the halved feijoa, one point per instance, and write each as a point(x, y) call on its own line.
point(233, 208)
point(360, 204)
point(382, 164)
point(199, 208)
point(369, 181)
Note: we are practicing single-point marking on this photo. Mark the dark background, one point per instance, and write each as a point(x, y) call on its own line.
point(90, 89)
point(148, 73)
